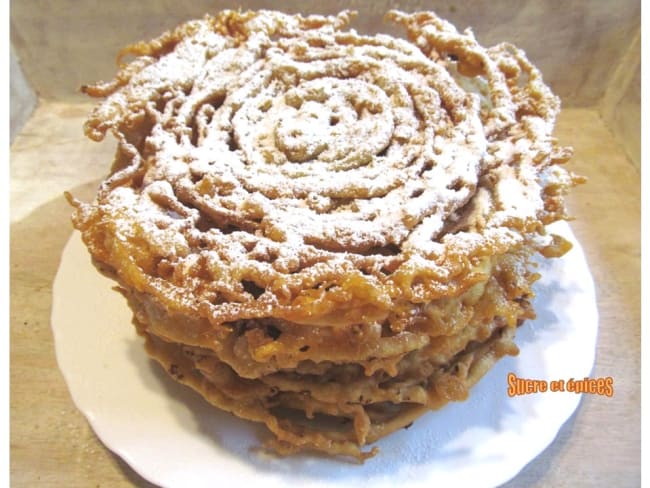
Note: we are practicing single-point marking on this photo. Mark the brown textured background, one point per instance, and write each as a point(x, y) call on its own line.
point(589, 52)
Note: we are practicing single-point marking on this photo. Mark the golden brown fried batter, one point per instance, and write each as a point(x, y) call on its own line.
point(322, 231)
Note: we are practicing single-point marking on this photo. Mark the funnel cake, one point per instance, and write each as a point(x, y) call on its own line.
point(326, 232)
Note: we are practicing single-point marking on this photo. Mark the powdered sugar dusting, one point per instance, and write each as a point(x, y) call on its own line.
point(286, 142)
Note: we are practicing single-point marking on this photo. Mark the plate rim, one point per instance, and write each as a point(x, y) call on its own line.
point(542, 441)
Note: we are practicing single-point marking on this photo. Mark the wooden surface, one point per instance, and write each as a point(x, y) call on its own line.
point(620, 107)
point(53, 445)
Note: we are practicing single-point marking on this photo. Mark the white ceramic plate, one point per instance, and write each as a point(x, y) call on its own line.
point(173, 438)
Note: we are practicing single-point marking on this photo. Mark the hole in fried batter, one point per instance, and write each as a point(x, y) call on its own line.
point(383, 152)
point(265, 105)
point(427, 166)
point(229, 229)
point(252, 288)
point(295, 419)
point(341, 204)
point(232, 143)
point(238, 327)
point(382, 412)
point(273, 332)
point(187, 88)
point(195, 132)
point(387, 250)
point(249, 245)
point(204, 224)
point(389, 269)
point(164, 269)
point(456, 185)
point(268, 256)
point(216, 100)
point(386, 330)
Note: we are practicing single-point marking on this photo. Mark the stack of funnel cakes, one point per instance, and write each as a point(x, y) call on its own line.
point(326, 232)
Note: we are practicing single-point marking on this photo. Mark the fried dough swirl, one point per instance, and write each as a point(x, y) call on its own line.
point(318, 214)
